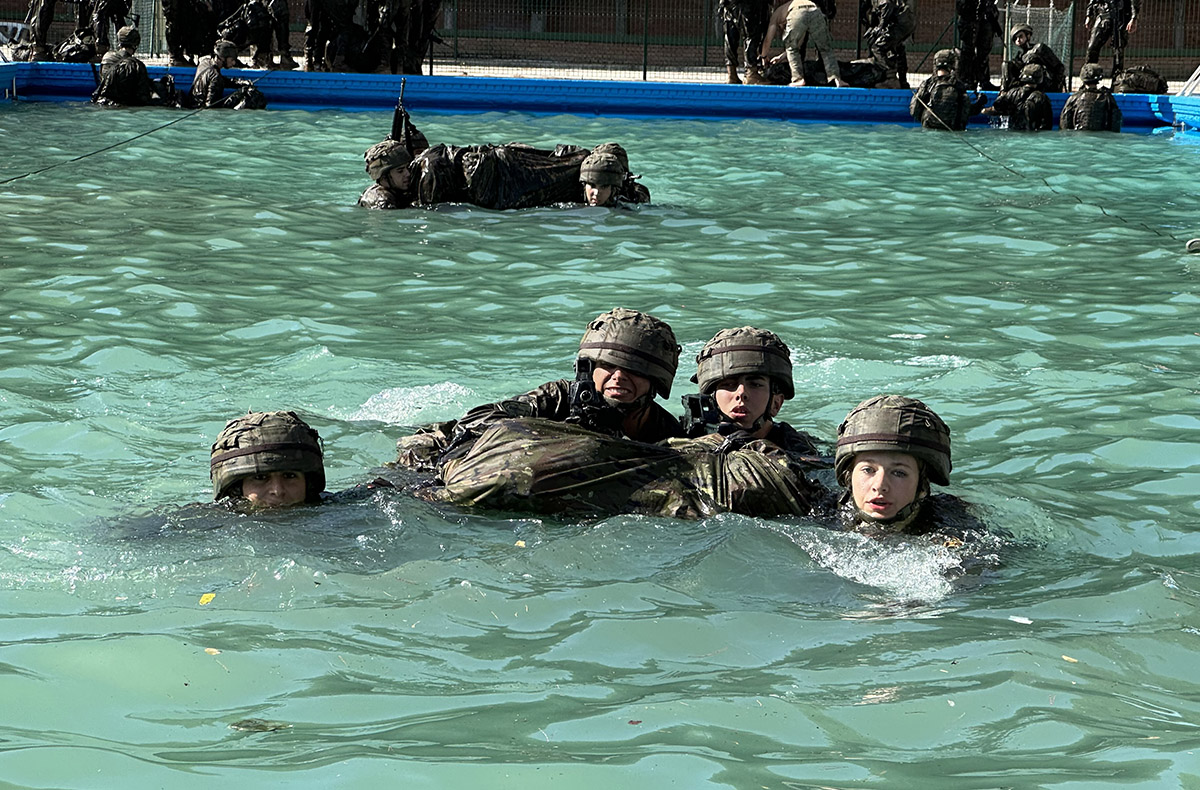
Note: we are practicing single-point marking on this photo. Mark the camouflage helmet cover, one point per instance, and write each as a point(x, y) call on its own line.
point(1021, 28)
point(225, 49)
point(128, 37)
point(894, 423)
point(258, 442)
point(1091, 72)
point(385, 156)
point(945, 58)
point(744, 351)
point(633, 341)
point(617, 150)
point(603, 170)
point(1033, 74)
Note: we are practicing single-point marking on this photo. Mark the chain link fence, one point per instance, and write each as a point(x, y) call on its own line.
point(673, 40)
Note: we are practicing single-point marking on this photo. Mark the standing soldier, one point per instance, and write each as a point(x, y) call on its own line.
point(1091, 108)
point(889, 24)
point(978, 26)
point(41, 16)
point(744, 21)
point(190, 30)
point(1114, 19)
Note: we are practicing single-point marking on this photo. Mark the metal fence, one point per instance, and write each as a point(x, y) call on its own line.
point(681, 39)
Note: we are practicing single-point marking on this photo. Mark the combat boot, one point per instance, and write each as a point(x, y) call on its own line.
point(754, 76)
point(733, 76)
point(262, 59)
point(287, 63)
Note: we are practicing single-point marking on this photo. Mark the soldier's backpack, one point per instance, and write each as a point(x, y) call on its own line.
point(1139, 79)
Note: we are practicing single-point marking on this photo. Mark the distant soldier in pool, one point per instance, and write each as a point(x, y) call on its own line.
point(496, 176)
point(1092, 108)
point(209, 84)
point(123, 78)
point(1026, 107)
point(941, 101)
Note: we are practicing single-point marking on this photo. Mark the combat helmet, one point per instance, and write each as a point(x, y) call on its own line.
point(603, 170)
point(894, 423)
point(1033, 74)
point(273, 441)
point(385, 156)
point(945, 59)
point(745, 351)
point(617, 150)
point(1021, 28)
point(225, 48)
point(128, 37)
point(1091, 72)
point(637, 342)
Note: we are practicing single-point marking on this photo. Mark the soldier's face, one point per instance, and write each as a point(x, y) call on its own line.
point(618, 384)
point(884, 482)
point(274, 489)
point(398, 178)
point(595, 195)
point(1021, 40)
point(744, 399)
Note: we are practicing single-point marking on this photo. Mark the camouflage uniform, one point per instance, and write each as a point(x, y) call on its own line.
point(190, 29)
point(978, 26)
point(123, 80)
point(1055, 75)
point(941, 100)
point(1092, 108)
point(626, 339)
point(889, 24)
point(745, 21)
point(1100, 14)
point(542, 466)
point(1027, 108)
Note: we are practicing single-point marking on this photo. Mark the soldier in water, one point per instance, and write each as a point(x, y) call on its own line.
point(408, 172)
point(745, 376)
point(269, 459)
point(123, 78)
point(1092, 108)
point(941, 100)
point(890, 448)
point(1026, 107)
point(625, 359)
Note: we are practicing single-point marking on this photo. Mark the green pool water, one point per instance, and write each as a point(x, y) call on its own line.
point(1032, 289)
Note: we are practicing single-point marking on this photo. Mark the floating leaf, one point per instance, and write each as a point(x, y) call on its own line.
point(207, 598)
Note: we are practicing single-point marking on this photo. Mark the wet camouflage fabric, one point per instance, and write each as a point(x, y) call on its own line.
point(941, 103)
point(209, 84)
point(1027, 109)
point(547, 467)
point(123, 80)
point(1055, 80)
point(1139, 79)
point(550, 401)
point(1091, 109)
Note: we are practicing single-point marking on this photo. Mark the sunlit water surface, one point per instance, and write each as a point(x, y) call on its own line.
point(1032, 289)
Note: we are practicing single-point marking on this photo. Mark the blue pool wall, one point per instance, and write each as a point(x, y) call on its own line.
point(317, 91)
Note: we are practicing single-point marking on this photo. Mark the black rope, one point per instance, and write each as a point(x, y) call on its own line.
point(118, 144)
